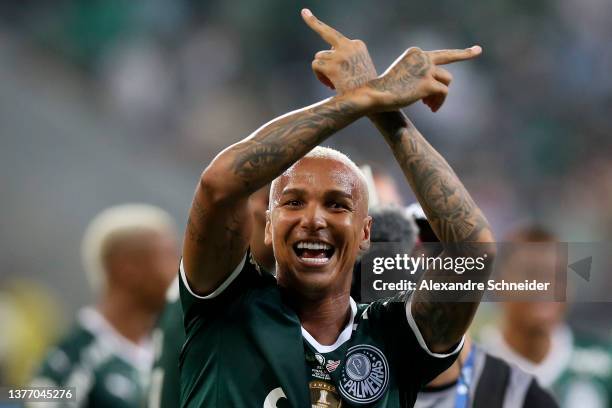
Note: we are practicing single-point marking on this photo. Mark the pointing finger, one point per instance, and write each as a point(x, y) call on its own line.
point(442, 57)
point(327, 33)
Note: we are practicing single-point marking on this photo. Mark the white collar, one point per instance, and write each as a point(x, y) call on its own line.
point(344, 336)
point(139, 355)
point(550, 369)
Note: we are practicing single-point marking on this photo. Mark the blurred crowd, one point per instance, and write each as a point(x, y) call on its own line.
point(109, 101)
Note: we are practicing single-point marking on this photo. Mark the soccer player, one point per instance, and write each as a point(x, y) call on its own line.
point(131, 254)
point(169, 335)
point(535, 336)
point(479, 380)
point(297, 338)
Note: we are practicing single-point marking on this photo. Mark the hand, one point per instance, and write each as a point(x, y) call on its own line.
point(415, 75)
point(347, 65)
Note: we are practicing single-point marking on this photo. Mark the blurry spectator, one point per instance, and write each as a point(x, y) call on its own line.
point(389, 225)
point(479, 380)
point(382, 187)
point(169, 335)
point(534, 335)
point(130, 253)
point(386, 187)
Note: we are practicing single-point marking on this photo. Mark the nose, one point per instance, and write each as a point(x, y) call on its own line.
point(313, 218)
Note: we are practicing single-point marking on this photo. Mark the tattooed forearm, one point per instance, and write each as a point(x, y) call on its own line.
point(455, 219)
point(277, 145)
point(449, 207)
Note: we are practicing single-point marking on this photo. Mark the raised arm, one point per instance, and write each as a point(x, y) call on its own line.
point(456, 220)
point(218, 228)
point(449, 207)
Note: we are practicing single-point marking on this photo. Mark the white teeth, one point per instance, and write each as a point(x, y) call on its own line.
point(317, 261)
point(313, 245)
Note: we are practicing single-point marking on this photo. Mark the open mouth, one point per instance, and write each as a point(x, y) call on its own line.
point(314, 252)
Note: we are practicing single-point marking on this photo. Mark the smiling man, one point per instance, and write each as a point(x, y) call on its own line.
point(297, 339)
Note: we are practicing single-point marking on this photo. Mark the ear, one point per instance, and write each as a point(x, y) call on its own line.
point(268, 230)
point(364, 245)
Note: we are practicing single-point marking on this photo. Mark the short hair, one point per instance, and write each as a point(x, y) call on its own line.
point(529, 233)
point(111, 223)
point(322, 152)
point(392, 224)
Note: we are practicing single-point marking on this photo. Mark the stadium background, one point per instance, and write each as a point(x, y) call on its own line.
point(111, 101)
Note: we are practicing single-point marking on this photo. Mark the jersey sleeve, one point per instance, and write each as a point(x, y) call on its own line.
point(415, 364)
point(199, 309)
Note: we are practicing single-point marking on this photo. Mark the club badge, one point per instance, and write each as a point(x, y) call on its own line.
point(365, 374)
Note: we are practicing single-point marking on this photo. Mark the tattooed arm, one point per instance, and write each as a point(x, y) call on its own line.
point(451, 211)
point(218, 228)
point(457, 222)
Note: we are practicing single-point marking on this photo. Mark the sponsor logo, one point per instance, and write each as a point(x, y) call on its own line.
point(365, 375)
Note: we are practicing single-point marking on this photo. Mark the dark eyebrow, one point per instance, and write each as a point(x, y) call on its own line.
point(296, 191)
point(339, 193)
point(328, 193)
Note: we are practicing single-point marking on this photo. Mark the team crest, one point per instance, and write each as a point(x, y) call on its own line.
point(365, 374)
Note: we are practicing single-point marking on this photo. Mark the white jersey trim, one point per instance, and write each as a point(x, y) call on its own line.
point(221, 287)
point(549, 370)
point(139, 355)
point(173, 292)
point(415, 329)
point(344, 336)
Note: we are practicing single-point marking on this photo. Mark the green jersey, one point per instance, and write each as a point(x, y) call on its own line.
point(576, 369)
point(106, 369)
point(587, 380)
point(168, 337)
point(246, 347)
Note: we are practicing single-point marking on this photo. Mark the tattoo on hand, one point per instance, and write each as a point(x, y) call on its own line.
point(357, 70)
point(403, 77)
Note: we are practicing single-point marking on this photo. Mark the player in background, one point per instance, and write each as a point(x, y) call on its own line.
point(169, 335)
point(535, 336)
point(477, 379)
point(130, 253)
point(258, 340)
